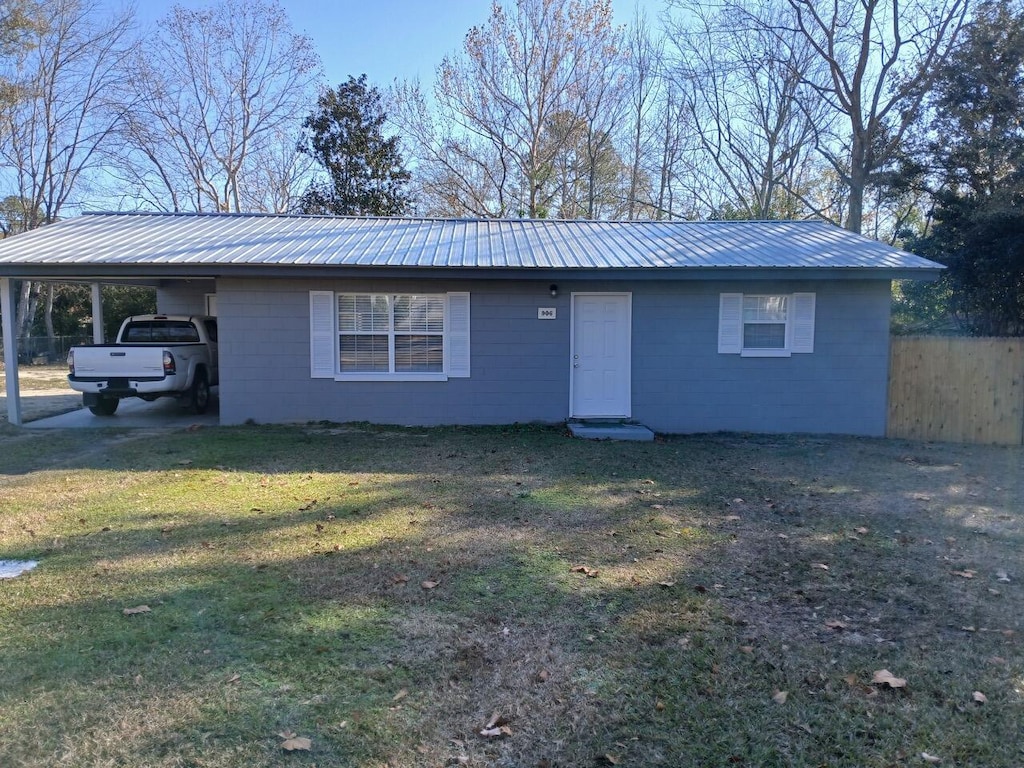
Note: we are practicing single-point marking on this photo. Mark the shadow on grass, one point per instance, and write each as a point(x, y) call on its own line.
point(669, 654)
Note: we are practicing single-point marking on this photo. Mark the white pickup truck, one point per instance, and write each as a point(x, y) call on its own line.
point(154, 356)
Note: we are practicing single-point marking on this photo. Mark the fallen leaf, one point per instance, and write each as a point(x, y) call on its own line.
point(862, 530)
point(666, 584)
point(1003, 577)
point(399, 578)
point(930, 758)
point(659, 705)
point(738, 501)
point(292, 742)
point(234, 678)
point(965, 574)
point(747, 649)
point(820, 566)
point(135, 610)
point(400, 695)
point(885, 677)
point(430, 584)
point(732, 518)
point(850, 680)
point(587, 571)
point(780, 697)
point(979, 697)
point(543, 676)
point(498, 732)
point(836, 624)
point(608, 759)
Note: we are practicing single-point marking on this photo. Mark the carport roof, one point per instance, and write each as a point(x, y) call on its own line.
point(196, 245)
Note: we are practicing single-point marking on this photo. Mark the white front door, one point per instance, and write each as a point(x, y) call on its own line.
point(600, 375)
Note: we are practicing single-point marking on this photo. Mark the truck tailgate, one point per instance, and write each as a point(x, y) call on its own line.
point(110, 361)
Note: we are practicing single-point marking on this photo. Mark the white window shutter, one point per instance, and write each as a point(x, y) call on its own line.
point(457, 347)
point(322, 338)
point(730, 323)
point(803, 322)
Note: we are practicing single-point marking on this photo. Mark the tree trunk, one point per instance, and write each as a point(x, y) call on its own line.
point(858, 182)
point(23, 319)
point(51, 337)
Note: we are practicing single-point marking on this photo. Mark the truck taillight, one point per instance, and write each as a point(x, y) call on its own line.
point(71, 362)
point(169, 367)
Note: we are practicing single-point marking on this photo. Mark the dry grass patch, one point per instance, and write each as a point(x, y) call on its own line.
point(391, 594)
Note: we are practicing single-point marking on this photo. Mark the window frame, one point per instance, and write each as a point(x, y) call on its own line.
point(799, 331)
point(325, 340)
point(391, 333)
point(783, 351)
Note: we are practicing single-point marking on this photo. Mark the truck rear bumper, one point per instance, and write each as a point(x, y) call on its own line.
point(119, 388)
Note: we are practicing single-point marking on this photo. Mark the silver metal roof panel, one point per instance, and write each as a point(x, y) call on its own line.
point(149, 239)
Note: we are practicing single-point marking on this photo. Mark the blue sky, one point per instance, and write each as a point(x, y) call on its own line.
point(386, 39)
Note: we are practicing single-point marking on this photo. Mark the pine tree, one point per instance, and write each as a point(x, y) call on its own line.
point(979, 154)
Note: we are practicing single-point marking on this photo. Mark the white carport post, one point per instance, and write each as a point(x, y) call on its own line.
point(7, 301)
point(97, 313)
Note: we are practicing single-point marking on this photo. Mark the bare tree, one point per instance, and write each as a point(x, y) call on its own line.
point(20, 23)
point(221, 93)
point(63, 113)
point(878, 61)
point(739, 83)
point(604, 103)
point(645, 78)
point(526, 69)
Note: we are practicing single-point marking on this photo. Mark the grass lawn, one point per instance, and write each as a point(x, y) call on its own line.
point(390, 594)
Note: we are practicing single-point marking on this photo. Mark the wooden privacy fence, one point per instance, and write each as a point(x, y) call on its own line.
point(961, 390)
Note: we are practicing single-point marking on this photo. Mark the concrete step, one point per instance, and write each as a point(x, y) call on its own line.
point(610, 430)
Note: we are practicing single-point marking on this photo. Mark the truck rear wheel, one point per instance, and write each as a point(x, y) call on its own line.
point(199, 399)
point(105, 406)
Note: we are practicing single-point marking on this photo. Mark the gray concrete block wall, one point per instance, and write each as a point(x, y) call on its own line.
point(180, 297)
point(520, 365)
point(682, 384)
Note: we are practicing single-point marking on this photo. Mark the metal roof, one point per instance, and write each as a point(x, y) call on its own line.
point(196, 242)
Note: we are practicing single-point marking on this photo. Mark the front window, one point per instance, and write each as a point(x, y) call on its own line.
point(391, 334)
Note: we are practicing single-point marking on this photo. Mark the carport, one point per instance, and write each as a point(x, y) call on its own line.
point(8, 302)
point(71, 270)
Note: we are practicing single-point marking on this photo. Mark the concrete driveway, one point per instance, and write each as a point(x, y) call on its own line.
point(132, 412)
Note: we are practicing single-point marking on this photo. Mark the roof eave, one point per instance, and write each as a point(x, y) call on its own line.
point(156, 272)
